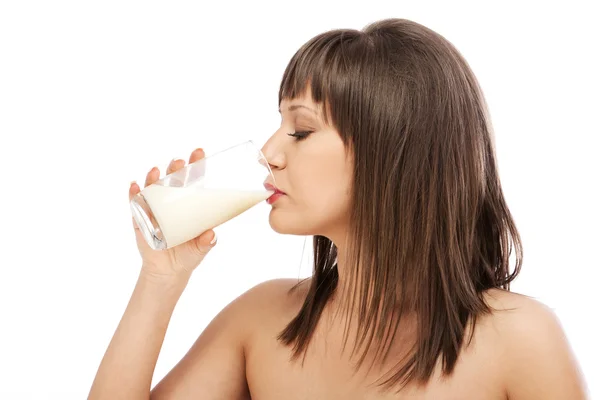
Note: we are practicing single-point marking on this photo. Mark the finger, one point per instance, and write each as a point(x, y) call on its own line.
point(205, 242)
point(175, 165)
point(135, 225)
point(133, 190)
point(152, 176)
point(196, 155)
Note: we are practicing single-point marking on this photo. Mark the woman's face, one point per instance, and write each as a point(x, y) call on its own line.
point(312, 167)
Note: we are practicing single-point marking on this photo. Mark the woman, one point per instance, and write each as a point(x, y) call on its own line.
point(385, 155)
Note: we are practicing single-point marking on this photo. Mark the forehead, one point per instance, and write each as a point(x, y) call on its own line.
point(303, 103)
point(304, 97)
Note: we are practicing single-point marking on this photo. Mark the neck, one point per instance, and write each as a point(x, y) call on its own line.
point(342, 313)
point(348, 280)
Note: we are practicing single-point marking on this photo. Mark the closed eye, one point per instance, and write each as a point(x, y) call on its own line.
point(300, 135)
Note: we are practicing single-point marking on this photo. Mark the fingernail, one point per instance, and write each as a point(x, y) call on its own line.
point(214, 239)
point(131, 183)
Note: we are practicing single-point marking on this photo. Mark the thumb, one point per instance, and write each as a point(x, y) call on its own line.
point(205, 242)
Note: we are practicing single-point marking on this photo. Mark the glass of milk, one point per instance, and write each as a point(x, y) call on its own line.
point(202, 195)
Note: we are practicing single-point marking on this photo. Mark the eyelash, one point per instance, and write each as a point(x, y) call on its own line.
point(301, 135)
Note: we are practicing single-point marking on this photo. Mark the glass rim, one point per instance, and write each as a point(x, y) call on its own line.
point(254, 146)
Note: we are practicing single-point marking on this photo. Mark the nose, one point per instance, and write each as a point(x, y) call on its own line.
point(265, 163)
point(274, 156)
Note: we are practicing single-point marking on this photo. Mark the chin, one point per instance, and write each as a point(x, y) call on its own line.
point(289, 224)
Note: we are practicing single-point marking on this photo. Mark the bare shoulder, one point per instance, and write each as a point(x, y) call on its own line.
point(509, 308)
point(502, 297)
point(272, 302)
point(516, 316)
point(280, 287)
point(536, 356)
point(275, 294)
point(215, 365)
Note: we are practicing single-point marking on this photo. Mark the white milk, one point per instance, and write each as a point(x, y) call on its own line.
point(183, 213)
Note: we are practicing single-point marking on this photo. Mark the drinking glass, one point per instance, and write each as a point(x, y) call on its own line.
point(202, 195)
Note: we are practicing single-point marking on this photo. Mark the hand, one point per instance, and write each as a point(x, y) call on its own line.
point(181, 260)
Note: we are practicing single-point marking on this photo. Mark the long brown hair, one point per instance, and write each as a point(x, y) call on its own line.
point(431, 230)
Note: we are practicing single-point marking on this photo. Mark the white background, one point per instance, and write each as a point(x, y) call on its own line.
point(93, 94)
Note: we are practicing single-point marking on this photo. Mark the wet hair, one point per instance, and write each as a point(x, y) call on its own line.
point(430, 228)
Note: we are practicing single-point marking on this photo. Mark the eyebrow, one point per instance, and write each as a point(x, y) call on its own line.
point(294, 107)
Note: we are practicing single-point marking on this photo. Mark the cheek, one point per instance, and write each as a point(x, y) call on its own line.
point(321, 176)
point(328, 194)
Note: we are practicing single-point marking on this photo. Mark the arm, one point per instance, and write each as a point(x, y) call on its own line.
point(541, 364)
point(214, 368)
point(128, 364)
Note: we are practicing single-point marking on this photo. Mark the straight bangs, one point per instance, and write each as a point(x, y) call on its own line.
point(324, 66)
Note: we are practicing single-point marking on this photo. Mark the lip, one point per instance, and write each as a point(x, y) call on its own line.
point(276, 195)
point(270, 187)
